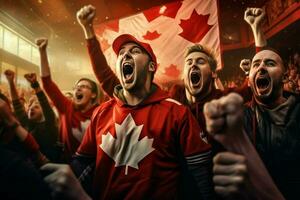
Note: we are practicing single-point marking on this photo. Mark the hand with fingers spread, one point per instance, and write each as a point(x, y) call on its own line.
point(42, 43)
point(10, 75)
point(63, 183)
point(85, 17)
point(245, 65)
point(230, 174)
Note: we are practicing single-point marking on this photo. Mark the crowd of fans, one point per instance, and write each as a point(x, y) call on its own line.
point(98, 146)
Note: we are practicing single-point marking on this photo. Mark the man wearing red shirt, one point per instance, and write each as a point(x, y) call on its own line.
point(198, 86)
point(74, 114)
point(141, 139)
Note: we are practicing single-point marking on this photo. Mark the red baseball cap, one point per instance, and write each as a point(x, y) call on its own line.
point(126, 38)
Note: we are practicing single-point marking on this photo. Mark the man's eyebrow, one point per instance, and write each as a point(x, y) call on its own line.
point(257, 60)
point(201, 58)
point(269, 59)
point(137, 46)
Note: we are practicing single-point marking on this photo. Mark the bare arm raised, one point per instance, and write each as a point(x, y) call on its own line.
point(224, 120)
point(42, 43)
point(254, 17)
point(10, 76)
point(50, 87)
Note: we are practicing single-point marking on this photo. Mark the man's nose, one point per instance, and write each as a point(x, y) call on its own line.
point(127, 55)
point(262, 70)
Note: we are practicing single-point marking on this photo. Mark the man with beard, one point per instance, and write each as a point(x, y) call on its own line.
point(271, 121)
point(198, 76)
point(199, 67)
point(74, 114)
point(141, 139)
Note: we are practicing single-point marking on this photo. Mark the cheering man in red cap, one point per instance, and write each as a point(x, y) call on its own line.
point(141, 140)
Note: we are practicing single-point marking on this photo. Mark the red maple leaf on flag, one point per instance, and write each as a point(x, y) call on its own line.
point(195, 28)
point(151, 35)
point(104, 44)
point(172, 71)
point(111, 25)
point(168, 10)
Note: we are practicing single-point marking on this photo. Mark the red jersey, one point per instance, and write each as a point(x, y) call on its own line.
point(138, 148)
point(73, 123)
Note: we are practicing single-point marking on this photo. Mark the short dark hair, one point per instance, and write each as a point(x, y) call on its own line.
point(94, 88)
point(284, 62)
point(202, 49)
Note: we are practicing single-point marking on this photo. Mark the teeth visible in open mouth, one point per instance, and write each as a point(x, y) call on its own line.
point(127, 70)
point(195, 78)
point(79, 96)
point(262, 83)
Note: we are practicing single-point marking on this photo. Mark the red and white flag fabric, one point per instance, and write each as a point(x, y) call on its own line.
point(169, 29)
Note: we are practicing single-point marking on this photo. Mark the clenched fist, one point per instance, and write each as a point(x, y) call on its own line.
point(30, 77)
point(10, 75)
point(63, 183)
point(42, 43)
point(224, 117)
point(254, 16)
point(245, 65)
point(230, 174)
point(86, 15)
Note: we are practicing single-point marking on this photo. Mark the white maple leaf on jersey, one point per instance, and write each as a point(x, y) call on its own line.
point(77, 133)
point(126, 149)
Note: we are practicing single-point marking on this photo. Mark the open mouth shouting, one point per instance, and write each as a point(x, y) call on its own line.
point(195, 78)
point(263, 84)
point(128, 72)
point(78, 96)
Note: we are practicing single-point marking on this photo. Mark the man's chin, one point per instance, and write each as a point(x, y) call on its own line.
point(79, 104)
point(195, 91)
point(129, 86)
point(263, 98)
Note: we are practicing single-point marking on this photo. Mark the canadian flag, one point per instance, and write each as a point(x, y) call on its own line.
point(169, 29)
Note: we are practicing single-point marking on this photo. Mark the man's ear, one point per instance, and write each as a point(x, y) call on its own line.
point(152, 66)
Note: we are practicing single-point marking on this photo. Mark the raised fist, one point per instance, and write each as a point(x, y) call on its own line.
point(42, 43)
point(224, 117)
point(230, 174)
point(30, 77)
point(86, 15)
point(245, 65)
point(254, 16)
point(10, 75)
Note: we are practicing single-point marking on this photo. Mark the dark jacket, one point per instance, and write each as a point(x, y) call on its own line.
point(277, 145)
